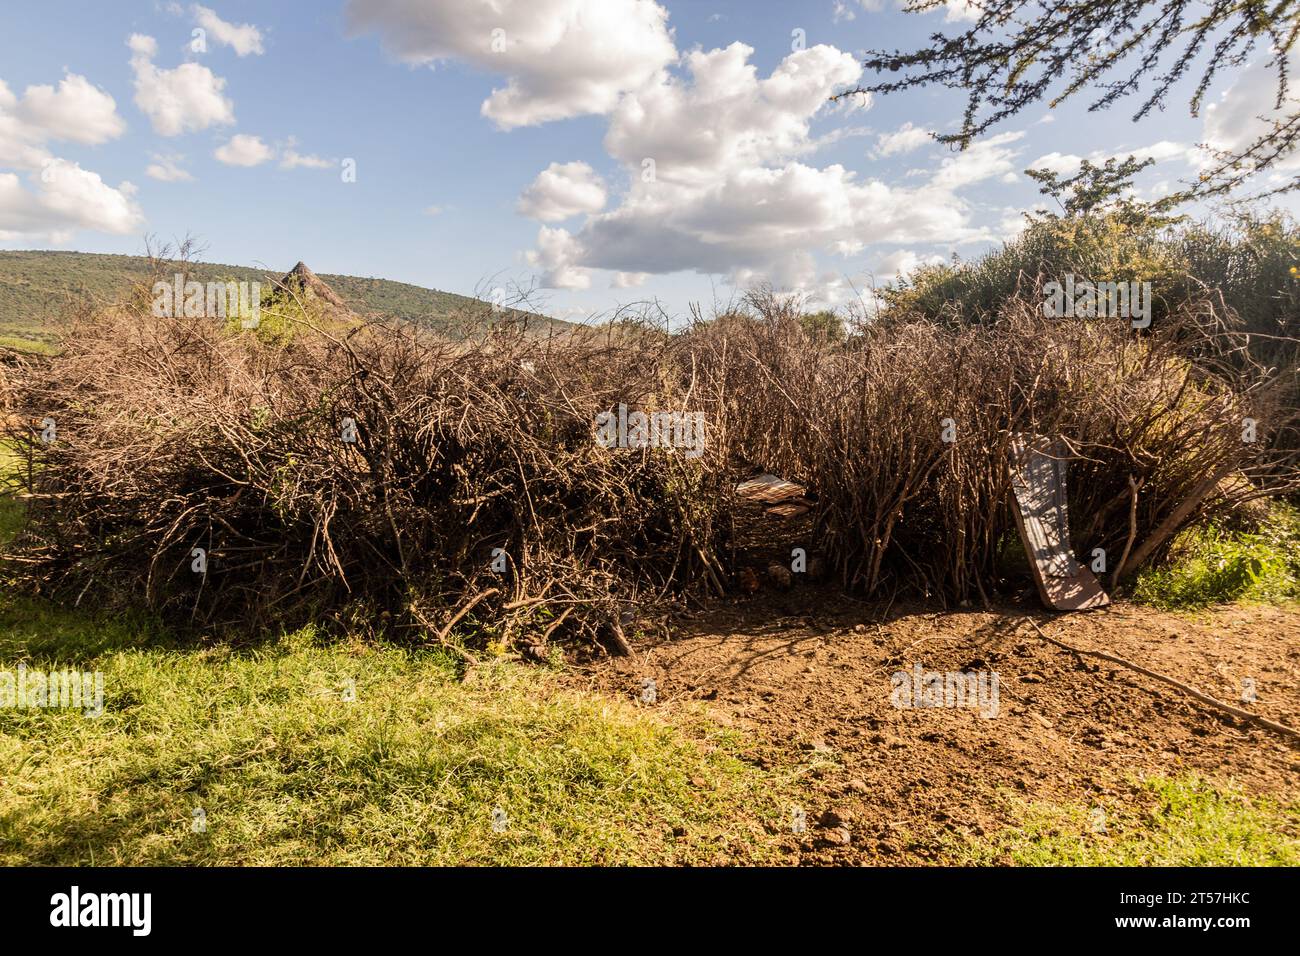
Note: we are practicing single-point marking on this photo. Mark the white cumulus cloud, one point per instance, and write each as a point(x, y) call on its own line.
point(958, 11)
point(1067, 164)
point(724, 117)
point(554, 256)
point(166, 168)
point(62, 199)
point(244, 150)
point(903, 140)
point(982, 160)
point(77, 111)
point(628, 280)
point(184, 99)
point(292, 159)
point(903, 262)
point(739, 195)
point(563, 190)
point(1247, 109)
point(560, 58)
point(59, 197)
point(243, 38)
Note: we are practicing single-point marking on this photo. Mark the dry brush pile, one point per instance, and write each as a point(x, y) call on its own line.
point(381, 473)
point(1154, 441)
point(476, 501)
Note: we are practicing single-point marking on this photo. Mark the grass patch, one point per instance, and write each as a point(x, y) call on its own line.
point(298, 752)
point(1183, 821)
point(23, 343)
point(1210, 565)
point(11, 509)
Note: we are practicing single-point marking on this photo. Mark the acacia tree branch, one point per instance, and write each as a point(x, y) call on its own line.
point(1019, 54)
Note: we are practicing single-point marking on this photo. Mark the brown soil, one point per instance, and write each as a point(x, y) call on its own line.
point(809, 672)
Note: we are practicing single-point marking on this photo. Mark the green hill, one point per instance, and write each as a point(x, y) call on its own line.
point(39, 288)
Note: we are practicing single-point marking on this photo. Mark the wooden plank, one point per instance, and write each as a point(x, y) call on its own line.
point(1041, 510)
point(769, 489)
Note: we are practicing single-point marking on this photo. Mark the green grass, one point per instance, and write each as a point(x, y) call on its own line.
point(11, 510)
point(1184, 821)
point(288, 770)
point(1210, 565)
point(22, 341)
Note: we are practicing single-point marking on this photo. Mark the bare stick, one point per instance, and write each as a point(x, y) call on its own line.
point(1205, 698)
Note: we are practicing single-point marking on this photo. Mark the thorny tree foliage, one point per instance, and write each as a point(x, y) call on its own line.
point(1018, 54)
point(1104, 188)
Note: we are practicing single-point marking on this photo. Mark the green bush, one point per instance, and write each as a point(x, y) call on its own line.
point(1102, 247)
point(1252, 260)
point(1212, 564)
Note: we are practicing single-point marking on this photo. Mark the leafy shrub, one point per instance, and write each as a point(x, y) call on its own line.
point(1103, 247)
point(1212, 564)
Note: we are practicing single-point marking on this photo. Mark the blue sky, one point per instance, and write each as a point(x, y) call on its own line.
point(506, 142)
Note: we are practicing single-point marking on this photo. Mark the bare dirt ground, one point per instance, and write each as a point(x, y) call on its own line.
point(809, 672)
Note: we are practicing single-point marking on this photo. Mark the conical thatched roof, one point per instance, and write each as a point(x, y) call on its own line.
point(302, 281)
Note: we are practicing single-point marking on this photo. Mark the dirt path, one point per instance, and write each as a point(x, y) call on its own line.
point(812, 671)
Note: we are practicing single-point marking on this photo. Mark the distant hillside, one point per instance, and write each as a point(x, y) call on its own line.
point(39, 286)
